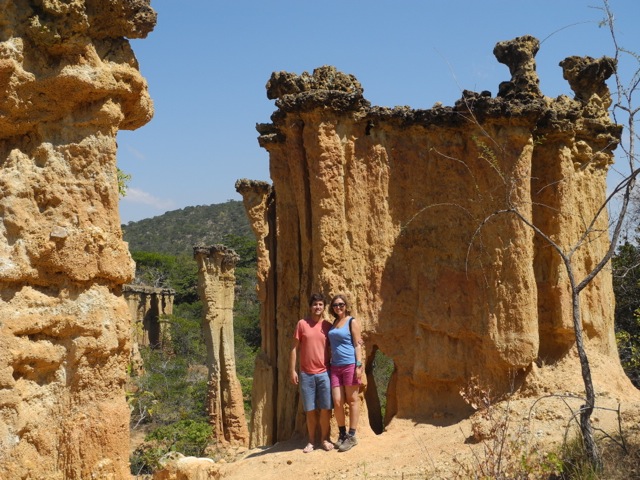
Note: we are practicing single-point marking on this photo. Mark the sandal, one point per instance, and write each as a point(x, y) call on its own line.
point(327, 445)
point(308, 448)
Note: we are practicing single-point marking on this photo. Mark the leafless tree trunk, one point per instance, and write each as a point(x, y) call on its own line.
point(621, 197)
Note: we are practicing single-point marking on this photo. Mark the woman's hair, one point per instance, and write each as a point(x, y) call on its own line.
point(316, 297)
point(342, 297)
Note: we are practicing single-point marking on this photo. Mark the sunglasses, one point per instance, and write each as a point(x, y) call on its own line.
point(338, 305)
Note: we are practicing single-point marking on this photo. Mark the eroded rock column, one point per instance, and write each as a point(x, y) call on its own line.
point(216, 287)
point(422, 217)
point(146, 306)
point(68, 81)
point(259, 204)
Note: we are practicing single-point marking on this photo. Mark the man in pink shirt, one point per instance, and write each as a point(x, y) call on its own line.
point(310, 337)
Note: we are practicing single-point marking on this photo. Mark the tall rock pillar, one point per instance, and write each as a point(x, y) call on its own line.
point(146, 305)
point(259, 204)
point(68, 82)
point(216, 287)
point(424, 219)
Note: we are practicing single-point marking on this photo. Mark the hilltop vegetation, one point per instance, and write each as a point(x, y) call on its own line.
point(178, 231)
point(168, 399)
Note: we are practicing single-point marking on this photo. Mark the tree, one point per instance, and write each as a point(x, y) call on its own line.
point(622, 112)
point(123, 182)
point(179, 272)
point(626, 284)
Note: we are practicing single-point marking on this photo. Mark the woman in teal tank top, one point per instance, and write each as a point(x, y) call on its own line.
point(346, 370)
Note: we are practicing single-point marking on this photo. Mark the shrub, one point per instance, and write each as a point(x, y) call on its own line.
point(189, 437)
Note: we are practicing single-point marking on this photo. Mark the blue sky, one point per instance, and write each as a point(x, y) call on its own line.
point(207, 63)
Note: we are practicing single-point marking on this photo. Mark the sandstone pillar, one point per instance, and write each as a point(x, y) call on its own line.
point(69, 82)
point(146, 306)
point(216, 287)
point(569, 181)
point(259, 203)
point(423, 218)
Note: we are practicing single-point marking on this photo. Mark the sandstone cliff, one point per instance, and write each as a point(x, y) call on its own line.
point(216, 288)
point(68, 82)
point(414, 215)
point(146, 305)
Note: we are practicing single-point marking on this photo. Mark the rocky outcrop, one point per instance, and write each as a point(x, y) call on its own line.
point(179, 467)
point(422, 218)
point(146, 306)
point(259, 203)
point(68, 82)
point(216, 288)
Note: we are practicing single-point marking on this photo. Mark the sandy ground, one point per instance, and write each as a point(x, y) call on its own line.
point(537, 424)
point(419, 451)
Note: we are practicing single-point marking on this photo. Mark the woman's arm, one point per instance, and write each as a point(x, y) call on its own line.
point(356, 337)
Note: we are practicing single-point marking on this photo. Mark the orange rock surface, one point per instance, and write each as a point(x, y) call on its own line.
point(422, 217)
point(216, 288)
point(68, 81)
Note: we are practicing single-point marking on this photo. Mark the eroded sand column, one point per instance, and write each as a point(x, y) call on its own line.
point(259, 204)
point(423, 218)
point(146, 306)
point(69, 82)
point(216, 287)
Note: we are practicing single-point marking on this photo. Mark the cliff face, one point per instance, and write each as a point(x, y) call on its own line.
point(420, 216)
point(68, 82)
point(146, 305)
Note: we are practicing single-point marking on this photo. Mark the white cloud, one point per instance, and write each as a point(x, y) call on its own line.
point(135, 153)
point(135, 195)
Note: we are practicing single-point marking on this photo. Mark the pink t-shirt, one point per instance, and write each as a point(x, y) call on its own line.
point(314, 346)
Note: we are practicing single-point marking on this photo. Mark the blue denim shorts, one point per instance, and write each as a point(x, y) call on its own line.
point(315, 390)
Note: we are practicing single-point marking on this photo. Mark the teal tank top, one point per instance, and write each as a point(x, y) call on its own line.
point(342, 351)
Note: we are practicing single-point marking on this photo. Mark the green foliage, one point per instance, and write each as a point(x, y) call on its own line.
point(186, 337)
point(245, 247)
point(382, 369)
point(170, 398)
point(145, 459)
point(178, 231)
point(246, 322)
point(189, 437)
point(626, 286)
point(193, 310)
point(629, 350)
point(246, 312)
point(153, 268)
point(245, 356)
point(575, 462)
point(184, 279)
point(246, 384)
point(179, 272)
point(123, 182)
point(170, 389)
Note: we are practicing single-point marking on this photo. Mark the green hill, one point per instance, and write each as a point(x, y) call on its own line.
point(178, 231)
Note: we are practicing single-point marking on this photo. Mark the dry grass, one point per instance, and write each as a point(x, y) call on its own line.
point(504, 449)
point(620, 462)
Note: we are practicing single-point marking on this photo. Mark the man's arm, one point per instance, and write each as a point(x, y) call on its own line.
point(293, 374)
